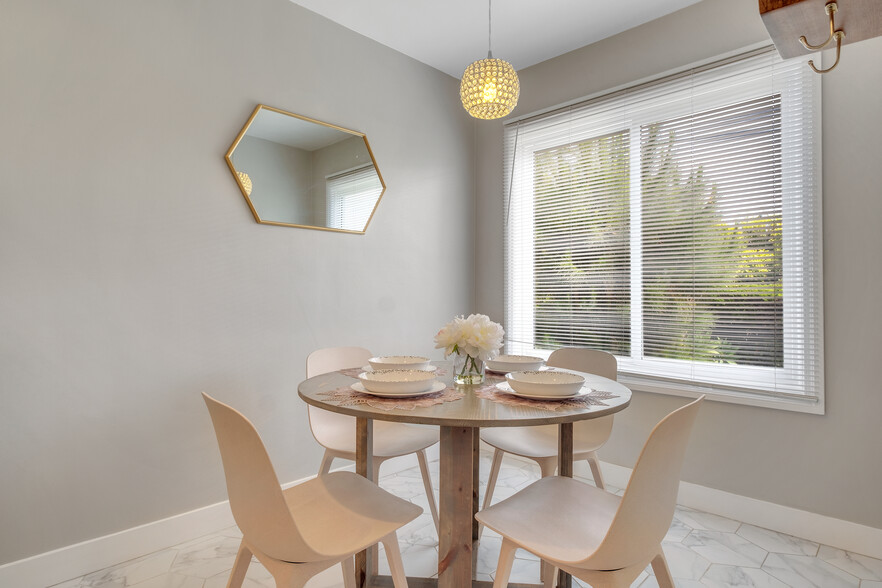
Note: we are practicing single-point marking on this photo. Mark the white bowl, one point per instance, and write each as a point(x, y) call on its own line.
point(546, 383)
point(399, 362)
point(397, 381)
point(515, 363)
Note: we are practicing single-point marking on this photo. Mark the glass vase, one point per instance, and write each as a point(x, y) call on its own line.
point(467, 370)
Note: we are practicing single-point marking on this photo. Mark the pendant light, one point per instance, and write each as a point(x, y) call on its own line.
point(489, 87)
point(246, 182)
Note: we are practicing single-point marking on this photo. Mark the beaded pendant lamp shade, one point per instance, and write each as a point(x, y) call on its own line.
point(246, 182)
point(489, 87)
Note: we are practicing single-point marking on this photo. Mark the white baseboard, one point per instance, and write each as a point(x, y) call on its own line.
point(72, 561)
point(88, 556)
point(821, 529)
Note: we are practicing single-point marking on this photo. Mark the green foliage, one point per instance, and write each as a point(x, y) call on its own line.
point(582, 257)
point(712, 284)
point(711, 273)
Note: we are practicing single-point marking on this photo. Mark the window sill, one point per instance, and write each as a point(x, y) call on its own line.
point(642, 384)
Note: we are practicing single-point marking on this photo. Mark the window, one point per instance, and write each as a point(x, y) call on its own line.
point(352, 196)
point(676, 225)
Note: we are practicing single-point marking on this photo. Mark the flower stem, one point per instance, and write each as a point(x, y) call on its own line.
point(470, 369)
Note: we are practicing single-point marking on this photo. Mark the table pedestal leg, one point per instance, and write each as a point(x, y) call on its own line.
point(565, 468)
point(364, 466)
point(476, 479)
point(457, 501)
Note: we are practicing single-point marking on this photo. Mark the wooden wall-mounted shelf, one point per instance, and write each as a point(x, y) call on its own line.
point(787, 20)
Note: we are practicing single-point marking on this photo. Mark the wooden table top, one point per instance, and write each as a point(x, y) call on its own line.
point(470, 411)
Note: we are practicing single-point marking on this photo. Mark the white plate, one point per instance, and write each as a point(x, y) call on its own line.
point(398, 381)
point(514, 363)
point(399, 362)
point(431, 368)
point(436, 387)
point(544, 368)
point(551, 383)
point(504, 387)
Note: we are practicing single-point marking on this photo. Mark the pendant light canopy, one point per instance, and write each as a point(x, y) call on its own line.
point(490, 87)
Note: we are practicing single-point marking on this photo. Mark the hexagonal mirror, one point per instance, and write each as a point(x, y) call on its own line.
point(299, 172)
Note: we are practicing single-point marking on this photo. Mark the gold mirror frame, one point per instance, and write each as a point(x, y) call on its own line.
point(247, 185)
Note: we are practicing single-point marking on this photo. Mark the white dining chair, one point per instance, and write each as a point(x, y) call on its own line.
point(540, 443)
point(336, 432)
point(299, 532)
point(599, 538)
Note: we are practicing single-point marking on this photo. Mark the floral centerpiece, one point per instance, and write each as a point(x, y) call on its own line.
point(473, 340)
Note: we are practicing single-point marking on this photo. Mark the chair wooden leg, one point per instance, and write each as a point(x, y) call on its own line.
point(491, 483)
point(427, 482)
point(549, 573)
point(327, 458)
point(393, 555)
point(374, 552)
point(594, 464)
point(621, 578)
point(291, 575)
point(240, 567)
point(376, 479)
point(506, 559)
point(547, 466)
point(348, 566)
point(291, 581)
point(661, 570)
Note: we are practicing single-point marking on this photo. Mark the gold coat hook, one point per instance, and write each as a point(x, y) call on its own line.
point(830, 9)
point(838, 35)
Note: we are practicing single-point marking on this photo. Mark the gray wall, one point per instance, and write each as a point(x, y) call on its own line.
point(281, 178)
point(827, 464)
point(133, 276)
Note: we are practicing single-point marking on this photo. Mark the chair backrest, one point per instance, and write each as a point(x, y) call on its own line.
point(256, 497)
point(590, 361)
point(647, 508)
point(329, 359)
point(324, 424)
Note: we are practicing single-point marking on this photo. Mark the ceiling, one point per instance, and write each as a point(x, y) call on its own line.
point(450, 34)
point(294, 131)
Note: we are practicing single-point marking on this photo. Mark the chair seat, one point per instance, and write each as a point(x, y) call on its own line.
point(342, 513)
point(541, 441)
point(390, 439)
point(558, 519)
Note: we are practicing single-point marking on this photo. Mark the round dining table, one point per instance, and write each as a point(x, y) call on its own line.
point(460, 422)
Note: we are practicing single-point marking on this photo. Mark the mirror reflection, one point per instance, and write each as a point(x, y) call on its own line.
point(299, 172)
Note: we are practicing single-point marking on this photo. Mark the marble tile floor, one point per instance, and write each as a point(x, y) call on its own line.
point(703, 550)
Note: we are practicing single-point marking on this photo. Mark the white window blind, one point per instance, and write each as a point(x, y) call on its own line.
point(675, 224)
point(352, 196)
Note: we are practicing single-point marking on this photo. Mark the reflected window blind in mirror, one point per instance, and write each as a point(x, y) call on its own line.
point(351, 198)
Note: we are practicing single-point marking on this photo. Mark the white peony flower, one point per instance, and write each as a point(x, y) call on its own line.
point(448, 338)
point(476, 336)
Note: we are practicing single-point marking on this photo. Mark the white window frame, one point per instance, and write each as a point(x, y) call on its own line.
point(637, 372)
point(337, 186)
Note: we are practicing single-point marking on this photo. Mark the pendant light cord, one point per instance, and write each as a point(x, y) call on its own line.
point(489, 30)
